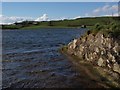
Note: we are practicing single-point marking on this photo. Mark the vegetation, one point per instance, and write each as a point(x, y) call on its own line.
point(74, 23)
point(111, 28)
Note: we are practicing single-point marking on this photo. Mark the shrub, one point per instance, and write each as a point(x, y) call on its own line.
point(98, 27)
point(111, 29)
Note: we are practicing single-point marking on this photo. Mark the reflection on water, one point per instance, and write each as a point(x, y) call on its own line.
point(31, 58)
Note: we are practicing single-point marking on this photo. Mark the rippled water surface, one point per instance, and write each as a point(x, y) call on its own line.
point(31, 58)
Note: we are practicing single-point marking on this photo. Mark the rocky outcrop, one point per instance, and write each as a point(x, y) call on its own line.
point(100, 50)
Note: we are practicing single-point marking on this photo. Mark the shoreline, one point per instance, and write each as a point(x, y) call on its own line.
point(93, 73)
point(47, 28)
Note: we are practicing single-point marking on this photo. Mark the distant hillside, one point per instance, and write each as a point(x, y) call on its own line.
point(63, 23)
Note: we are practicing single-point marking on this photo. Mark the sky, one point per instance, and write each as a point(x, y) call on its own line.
point(60, 0)
point(43, 11)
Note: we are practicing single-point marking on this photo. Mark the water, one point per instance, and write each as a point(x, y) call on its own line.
point(31, 58)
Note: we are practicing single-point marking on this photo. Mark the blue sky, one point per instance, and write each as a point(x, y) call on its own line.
point(57, 10)
point(54, 10)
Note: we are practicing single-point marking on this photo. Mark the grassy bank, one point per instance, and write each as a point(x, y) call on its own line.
point(39, 27)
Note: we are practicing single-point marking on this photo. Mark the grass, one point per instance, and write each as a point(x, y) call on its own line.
point(112, 29)
point(10, 27)
point(39, 27)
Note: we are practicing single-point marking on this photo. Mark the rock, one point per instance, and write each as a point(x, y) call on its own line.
point(72, 45)
point(116, 48)
point(86, 57)
point(108, 61)
point(81, 48)
point(116, 76)
point(113, 60)
point(111, 57)
point(116, 68)
point(53, 74)
point(98, 49)
point(100, 62)
point(79, 54)
point(102, 52)
point(109, 66)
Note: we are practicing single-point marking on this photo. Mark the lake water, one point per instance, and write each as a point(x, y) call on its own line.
point(31, 59)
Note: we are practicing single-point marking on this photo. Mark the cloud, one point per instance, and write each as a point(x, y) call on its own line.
point(96, 10)
point(77, 17)
point(68, 18)
point(42, 18)
point(12, 19)
point(114, 7)
point(115, 14)
point(105, 9)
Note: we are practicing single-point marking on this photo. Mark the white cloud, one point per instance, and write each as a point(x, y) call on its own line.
point(96, 10)
point(12, 19)
point(106, 9)
point(114, 7)
point(68, 18)
point(42, 18)
point(115, 14)
point(77, 17)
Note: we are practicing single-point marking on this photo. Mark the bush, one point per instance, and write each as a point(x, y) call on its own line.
point(111, 29)
point(98, 27)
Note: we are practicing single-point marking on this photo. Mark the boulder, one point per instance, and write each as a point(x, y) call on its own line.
point(116, 68)
point(100, 62)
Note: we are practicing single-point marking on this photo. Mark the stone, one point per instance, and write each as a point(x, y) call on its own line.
point(116, 67)
point(53, 74)
point(102, 52)
point(97, 49)
point(116, 76)
point(109, 46)
point(81, 48)
point(113, 60)
point(86, 57)
point(74, 43)
point(111, 57)
point(109, 66)
point(79, 54)
point(116, 48)
point(100, 62)
point(70, 44)
point(108, 61)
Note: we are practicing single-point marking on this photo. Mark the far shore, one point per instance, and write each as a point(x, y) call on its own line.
point(74, 23)
point(42, 27)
